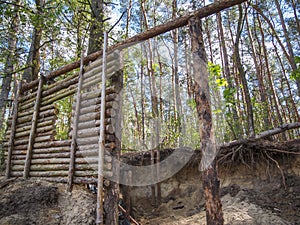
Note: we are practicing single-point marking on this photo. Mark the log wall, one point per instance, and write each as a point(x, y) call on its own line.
point(35, 147)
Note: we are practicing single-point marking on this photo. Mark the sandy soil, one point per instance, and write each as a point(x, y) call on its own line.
point(40, 202)
point(269, 203)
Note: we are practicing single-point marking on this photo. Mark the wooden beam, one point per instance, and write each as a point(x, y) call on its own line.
point(33, 128)
point(75, 127)
point(13, 132)
point(173, 24)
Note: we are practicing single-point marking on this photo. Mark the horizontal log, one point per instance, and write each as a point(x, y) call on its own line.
point(44, 138)
point(84, 180)
point(86, 160)
point(17, 168)
point(95, 108)
point(115, 55)
point(18, 162)
point(50, 133)
point(76, 180)
point(51, 167)
point(57, 96)
point(38, 130)
point(19, 152)
point(52, 144)
point(51, 155)
point(62, 84)
point(94, 131)
point(18, 157)
point(43, 114)
point(92, 167)
point(30, 111)
point(90, 132)
point(28, 97)
point(26, 105)
point(95, 123)
point(93, 153)
point(50, 161)
point(58, 82)
point(93, 78)
point(40, 120)
point(16, 174)
point(108, 147)
point(40, 124)
point(22, 145)
point(95, 101)
point(110, 113)
point(51, 150)
point(48, 173)
point(87, 141)
point(96, 95)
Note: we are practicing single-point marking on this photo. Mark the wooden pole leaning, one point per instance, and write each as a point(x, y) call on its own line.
point(75, 126)
point(33, 127)
point(101, 143)
point(13, 132)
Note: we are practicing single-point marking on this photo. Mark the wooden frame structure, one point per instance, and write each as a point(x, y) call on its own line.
point(32, 148)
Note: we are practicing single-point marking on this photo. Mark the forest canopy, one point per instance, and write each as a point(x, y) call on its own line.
point(253, 54)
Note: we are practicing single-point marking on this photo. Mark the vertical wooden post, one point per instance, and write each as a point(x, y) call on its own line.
point(33, 128)
point(101, 142)
point(75, 126)
point(13, 131)
point(211, 183)
point(112, 190)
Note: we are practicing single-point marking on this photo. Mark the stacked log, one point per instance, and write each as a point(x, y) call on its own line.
point(86, 161)
point(50, 158)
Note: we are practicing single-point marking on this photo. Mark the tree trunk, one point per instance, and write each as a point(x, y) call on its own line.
point(211, 183)
point(242, 74)
point(33, 59)
point(237, 128)
point(96, 29)
point(269, 75)
point(261, 85)
point(9, 64)
point(288, 43)
point(177, 99)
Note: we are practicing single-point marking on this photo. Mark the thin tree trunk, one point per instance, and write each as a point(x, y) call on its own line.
point(242, 74)
point(178, 106)
point(237, 128)
point(288, 43)
point(33, 59)
point(289, 57)
point(9, 63)
point(292, 102)
point(211, 183)
point(128, 18)
point(269, 75)
point(261, 85)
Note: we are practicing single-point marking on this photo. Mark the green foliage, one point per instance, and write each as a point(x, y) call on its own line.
point(296, 74)
point(63, 122)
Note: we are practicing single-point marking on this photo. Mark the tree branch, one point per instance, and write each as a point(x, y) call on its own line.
point(262, 135)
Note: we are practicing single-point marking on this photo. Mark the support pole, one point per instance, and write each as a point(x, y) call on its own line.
point(75, 126)
point(13, 132)
point(101, 142)
point(33, 128)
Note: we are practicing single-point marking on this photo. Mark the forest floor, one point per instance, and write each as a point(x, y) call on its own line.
point(40, 202)
point(267, 203)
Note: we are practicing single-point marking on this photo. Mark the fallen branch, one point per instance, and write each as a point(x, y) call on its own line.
point(262, 135)
point(130, 217)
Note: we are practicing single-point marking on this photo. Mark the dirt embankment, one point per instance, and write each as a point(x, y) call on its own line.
point(249, 196)
point(39, 202)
